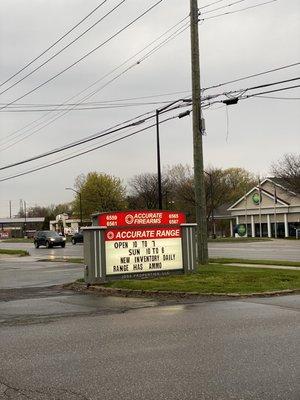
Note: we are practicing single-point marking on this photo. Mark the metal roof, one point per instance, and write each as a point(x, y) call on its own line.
point(21, 220)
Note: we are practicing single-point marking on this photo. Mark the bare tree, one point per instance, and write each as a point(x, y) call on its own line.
point(144, 191)
point(288, 168)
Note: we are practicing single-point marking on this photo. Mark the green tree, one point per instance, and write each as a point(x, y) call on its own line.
point(99, 193)
point(223, 186)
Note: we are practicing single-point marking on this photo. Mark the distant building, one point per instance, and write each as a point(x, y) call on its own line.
point(64, 224)
point(19, 227)
point(270, 209)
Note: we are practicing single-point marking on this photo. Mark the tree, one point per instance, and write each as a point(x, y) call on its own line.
point(288, 168)
point(223, 186)
point(99, 193)
point(144, 191)
point(182, 191)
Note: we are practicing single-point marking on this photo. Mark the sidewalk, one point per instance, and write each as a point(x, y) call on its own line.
point(263, 266)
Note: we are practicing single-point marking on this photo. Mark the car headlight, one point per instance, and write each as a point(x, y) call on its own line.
point(52, 240)
point(64, 238)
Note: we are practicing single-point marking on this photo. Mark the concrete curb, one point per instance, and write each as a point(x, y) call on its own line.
point(81, 287)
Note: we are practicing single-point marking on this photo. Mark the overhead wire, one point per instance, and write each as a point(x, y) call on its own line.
point(210, 4)
point(270, 91)
point(64, 48)
point(252, 76)
point(237, 11)
point(85, 55)
point(86, 151)
point(52, 119)
point(55, 43)
point(123, 137)
point(99, 102)
point(224, 6)
point(81, 141)
point(276, 98)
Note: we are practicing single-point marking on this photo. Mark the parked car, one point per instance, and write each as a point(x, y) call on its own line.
point(48, 239)
point(77, 237)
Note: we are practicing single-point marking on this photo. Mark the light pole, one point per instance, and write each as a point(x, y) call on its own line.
point(80, 203)
point(25, 222)
point(212, 204)
point(158, 111)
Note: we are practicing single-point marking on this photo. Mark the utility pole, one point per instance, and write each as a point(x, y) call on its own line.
point(9, 208)
point(197, 139)
point(160, 207)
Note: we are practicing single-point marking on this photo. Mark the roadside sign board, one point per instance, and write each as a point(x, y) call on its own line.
point(138, 245)
point(138, 218)
point(138, 250)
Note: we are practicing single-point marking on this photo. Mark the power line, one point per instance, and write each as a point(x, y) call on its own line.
point(210, 4)
point(265, 85)
point(99, 102)
point(126, 136)
point(89, 108)
point(64, 48)
point(55, 43)
point(85, 152)
point(276, 98)
point(92, 93)
point(85, 56)
point(93, 84)
point(224, 6)
point(252, 76)
point(106, 133)
point(77, 143)
point(269, 91)
point(236, 11)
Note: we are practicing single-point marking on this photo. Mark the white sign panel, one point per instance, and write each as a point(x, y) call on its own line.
point(142, 250)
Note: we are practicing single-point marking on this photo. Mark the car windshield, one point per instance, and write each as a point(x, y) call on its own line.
point(52, 234)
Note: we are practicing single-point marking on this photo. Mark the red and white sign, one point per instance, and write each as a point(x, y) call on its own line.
point(4, 235)
point(139, 218)
point(137, 250)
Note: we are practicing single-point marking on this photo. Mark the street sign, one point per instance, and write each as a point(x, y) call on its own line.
point(138, 218)
point(136, 250)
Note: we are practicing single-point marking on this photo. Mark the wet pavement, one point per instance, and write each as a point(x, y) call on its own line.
point(56, 344)
point(239, 349)
point(22, 272)
point(278, 249)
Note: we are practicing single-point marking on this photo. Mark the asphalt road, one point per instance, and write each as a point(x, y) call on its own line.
point(24, 272)
point(287, 250)
point(56, 344)
point(279, 249)
point(88, 347)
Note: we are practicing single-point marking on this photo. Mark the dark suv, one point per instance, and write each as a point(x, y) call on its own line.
point(48, 239)
point(77, 238)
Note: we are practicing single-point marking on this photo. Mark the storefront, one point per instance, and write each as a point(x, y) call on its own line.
point(270, 209)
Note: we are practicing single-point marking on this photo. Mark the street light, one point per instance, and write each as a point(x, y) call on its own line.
point(80, 203)
point(212, 204)
point(158, 111)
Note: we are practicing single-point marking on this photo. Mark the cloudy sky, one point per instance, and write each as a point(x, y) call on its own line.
point(257, 131)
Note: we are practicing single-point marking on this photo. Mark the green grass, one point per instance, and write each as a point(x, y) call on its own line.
point(17, 240)
point(262, 262)
point(241, 239)
point(63, 259)
point(20, 253)
point(218, 279)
